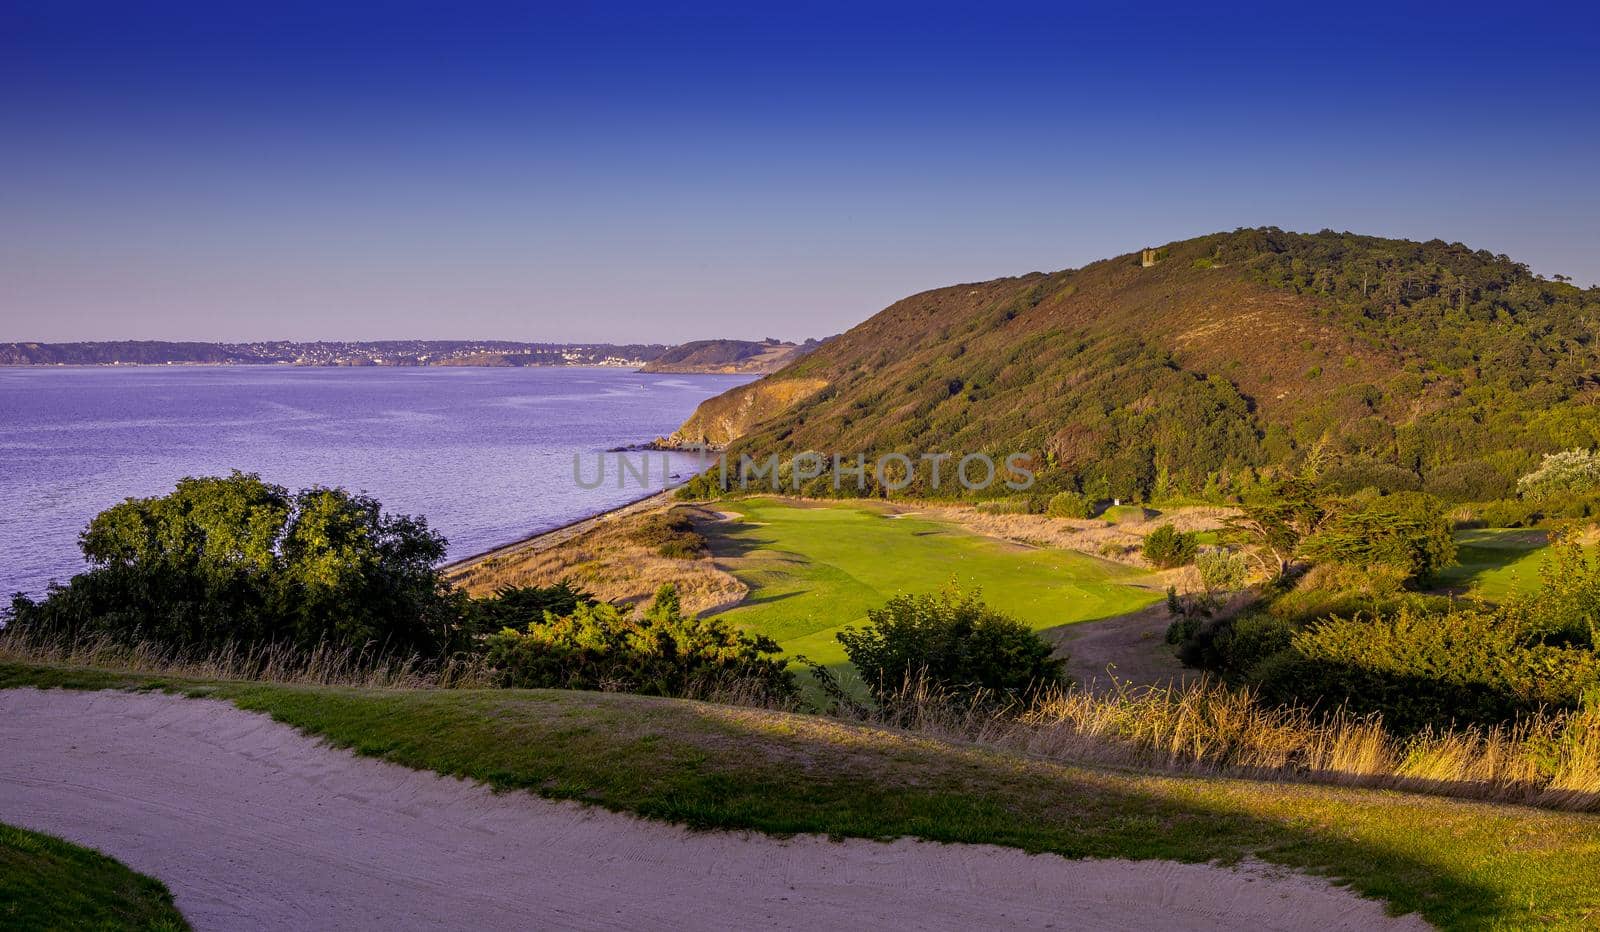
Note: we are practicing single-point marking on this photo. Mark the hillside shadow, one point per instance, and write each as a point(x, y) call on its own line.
point(866, 782)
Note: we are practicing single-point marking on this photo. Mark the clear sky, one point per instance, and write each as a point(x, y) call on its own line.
point(664, 172)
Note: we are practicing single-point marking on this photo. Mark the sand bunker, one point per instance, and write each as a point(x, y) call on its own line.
point(254, 825)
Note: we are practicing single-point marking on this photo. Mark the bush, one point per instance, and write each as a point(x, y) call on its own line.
point(237, 561)
point(1570, 473)
point(1354, 476)
point(520, 606)
point(1166, 547)
point(1510, 514)
point(661, 653)
point(1070, 505)
point(953, 642)
point(673, 535)
point(1422, 669)
point(1221, 569)
point(1471, 481)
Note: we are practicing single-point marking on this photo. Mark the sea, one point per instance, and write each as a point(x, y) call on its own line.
point(487, 455)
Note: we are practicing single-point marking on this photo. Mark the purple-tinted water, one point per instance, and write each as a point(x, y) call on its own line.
point(485, 454)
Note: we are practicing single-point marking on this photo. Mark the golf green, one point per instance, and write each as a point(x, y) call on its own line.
point(815, 568)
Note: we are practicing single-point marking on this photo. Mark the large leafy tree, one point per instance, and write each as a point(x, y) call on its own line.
point(236, 560)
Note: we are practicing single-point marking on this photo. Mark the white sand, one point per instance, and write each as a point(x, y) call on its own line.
point(254, 825)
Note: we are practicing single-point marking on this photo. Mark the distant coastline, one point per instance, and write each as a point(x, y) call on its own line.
point(330, 353)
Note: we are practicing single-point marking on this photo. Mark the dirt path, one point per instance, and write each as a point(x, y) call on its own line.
point(253, 825)
point(1132, 648)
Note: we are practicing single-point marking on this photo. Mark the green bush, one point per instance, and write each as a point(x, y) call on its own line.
point(1510, 514)
point(1166, 547)
point(1221, 569)
point(1421, 669)
point(520, 606)
point(1070, 505)
point(1470, 481)
point(660, 653)
point(225, 561)
point(952, 642)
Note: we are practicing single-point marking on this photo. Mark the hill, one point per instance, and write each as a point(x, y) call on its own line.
point(730, 356)
point(1397, 364)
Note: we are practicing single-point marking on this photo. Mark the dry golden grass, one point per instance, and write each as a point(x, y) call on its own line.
point(1551, 760)
point(1120, 541)
point(321, 666)
point(607, 560)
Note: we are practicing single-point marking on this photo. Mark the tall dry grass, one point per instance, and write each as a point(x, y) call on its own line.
point(323, 665)
point(1550, 760)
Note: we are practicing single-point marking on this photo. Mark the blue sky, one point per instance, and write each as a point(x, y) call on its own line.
point(665, 172)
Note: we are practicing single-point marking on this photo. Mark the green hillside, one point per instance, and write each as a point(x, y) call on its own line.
point(1400, 365)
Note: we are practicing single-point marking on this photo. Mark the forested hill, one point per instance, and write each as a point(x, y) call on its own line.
point(1397, 364)
point(730, 356)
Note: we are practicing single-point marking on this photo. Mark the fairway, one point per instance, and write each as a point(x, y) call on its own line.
point(1495, 563)
point(813, 569)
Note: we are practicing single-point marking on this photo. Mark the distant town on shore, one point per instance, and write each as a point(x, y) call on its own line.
point(729, 356)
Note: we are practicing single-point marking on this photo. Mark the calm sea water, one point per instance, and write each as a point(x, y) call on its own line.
point(485, 454)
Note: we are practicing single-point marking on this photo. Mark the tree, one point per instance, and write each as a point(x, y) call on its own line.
point(1275, 521)
point(1408, 531)
point(235, 560)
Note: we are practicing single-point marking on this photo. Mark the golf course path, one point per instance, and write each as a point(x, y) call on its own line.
point(254, 825)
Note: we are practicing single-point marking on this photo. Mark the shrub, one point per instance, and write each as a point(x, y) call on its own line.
point(1570, 473)
point(673, 535)
point(659, 653)
point(953, 642)
point(1070, 505)
point(1471, 481)
point(1422, 669)
point(1221, 569)
point(1166, 547)
point(1357, 475)
point(520, 606)
point(1510, 514)
point(237, 561)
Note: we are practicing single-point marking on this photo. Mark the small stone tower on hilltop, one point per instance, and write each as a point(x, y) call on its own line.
point(1147, 258)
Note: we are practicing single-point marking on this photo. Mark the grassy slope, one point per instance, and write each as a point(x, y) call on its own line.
point(46, 883)
point(814, 569)
point(1495, 564)
point(1462, 864)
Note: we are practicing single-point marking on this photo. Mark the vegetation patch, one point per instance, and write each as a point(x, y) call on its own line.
point(49, 885)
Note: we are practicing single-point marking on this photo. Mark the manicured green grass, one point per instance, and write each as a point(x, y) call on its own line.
point(1462, 864)
point(1496, 563)
point(47, 884)
point(813, 569)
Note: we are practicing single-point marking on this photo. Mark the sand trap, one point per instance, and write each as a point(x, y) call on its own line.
point(253, 825)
